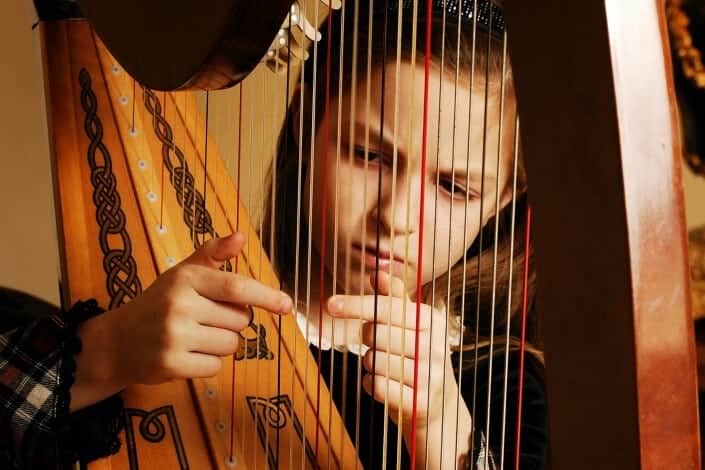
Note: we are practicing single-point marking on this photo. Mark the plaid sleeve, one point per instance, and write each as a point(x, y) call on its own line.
point(36, 374)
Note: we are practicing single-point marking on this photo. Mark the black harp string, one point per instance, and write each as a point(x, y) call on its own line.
point(272, 222)
point(297, 246)
point(163, 168)
point(481, 232)
point(364, 219)
point(438, 154)
point(450, 234)
point(311, 173)
point(515, 166)
point(134, 96)
point(271, 236)
point(259, 263)
point(248, 247)
point(377, 237)
point(395, 155)
point(325, 128)
point(405, 310)
point(236, 266)
point(205, 172)
point(363, 281)
point(336, 240)
point(465, 252)
point(496, 236)
point(346, 266)
point(351, 143)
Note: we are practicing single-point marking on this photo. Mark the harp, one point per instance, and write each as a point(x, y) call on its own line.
point(597, 128)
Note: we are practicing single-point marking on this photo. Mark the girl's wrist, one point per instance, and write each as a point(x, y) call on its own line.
point(97, 373)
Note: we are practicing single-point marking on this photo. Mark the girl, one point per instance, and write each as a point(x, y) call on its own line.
point(361, 227)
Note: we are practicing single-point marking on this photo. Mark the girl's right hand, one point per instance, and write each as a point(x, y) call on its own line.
point(178, 328)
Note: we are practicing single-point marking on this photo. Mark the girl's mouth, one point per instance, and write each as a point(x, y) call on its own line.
point(388, 261)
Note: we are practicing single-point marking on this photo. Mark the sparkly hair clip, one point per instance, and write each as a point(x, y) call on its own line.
point(463, 9)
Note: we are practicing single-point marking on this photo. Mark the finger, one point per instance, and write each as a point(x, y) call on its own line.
point(390, 310)
point(396, 394)
point(389, 285)
point(213, 341)
point(217, 251)
point(232, 317)
point(233, 288)
point(394, 367)
point(398, 341)
point(195, 365)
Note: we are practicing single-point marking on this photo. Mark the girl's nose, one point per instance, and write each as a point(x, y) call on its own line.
point(399, 213)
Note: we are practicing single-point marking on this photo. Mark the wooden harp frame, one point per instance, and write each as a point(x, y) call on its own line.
point(598, 129)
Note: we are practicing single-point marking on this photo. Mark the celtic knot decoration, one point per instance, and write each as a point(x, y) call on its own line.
point(195, 214)
point(120, 266)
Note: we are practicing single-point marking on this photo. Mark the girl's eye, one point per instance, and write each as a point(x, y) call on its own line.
point(453, 189)
point(360, 154)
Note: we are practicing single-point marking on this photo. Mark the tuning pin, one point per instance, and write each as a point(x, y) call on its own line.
point(296, 17)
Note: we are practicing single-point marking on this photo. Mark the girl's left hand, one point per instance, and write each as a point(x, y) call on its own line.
point(391, 338)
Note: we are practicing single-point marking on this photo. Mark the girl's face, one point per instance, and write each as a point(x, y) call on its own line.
point(453, 182)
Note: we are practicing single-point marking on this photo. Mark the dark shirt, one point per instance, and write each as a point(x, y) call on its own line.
point(534, 426)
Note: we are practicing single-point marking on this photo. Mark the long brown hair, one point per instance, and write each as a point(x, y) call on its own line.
point(468, 286)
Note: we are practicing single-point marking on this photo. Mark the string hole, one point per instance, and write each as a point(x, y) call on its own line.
point(210, 393)
point(133, 131)
point(124, 100)
point(116, 69)
point(231, 461)
point(142, 164)
point(220, 426)
point(151, 196)
point(170, 261)
point(161, 229)
point(270, 53)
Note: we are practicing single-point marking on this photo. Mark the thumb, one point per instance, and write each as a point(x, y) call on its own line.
point(215, 252)
point(389, 285)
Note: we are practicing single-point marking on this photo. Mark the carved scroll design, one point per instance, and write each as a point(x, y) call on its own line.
point(120, 266)
point(276, 413)
point(153, 430)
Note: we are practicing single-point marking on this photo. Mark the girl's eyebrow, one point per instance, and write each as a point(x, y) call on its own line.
point(372, 130)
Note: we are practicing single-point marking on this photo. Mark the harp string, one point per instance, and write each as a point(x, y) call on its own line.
point(509, 292)
point(237, 229)
point(399, 39)
point(271, 237)
point(481, 232)
point(405, 280)
point(351, 143)
point(163, 167)
point(495, 247)
point(465, 252)
point(324, 204)
point(338, 145)
point(424, 140)
point(522, 334)
point(311, 172)
point(205, 168)
point(465, 207)
point(392, 236)
point(450, 214)
point(377, 247)
point(299, 193)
